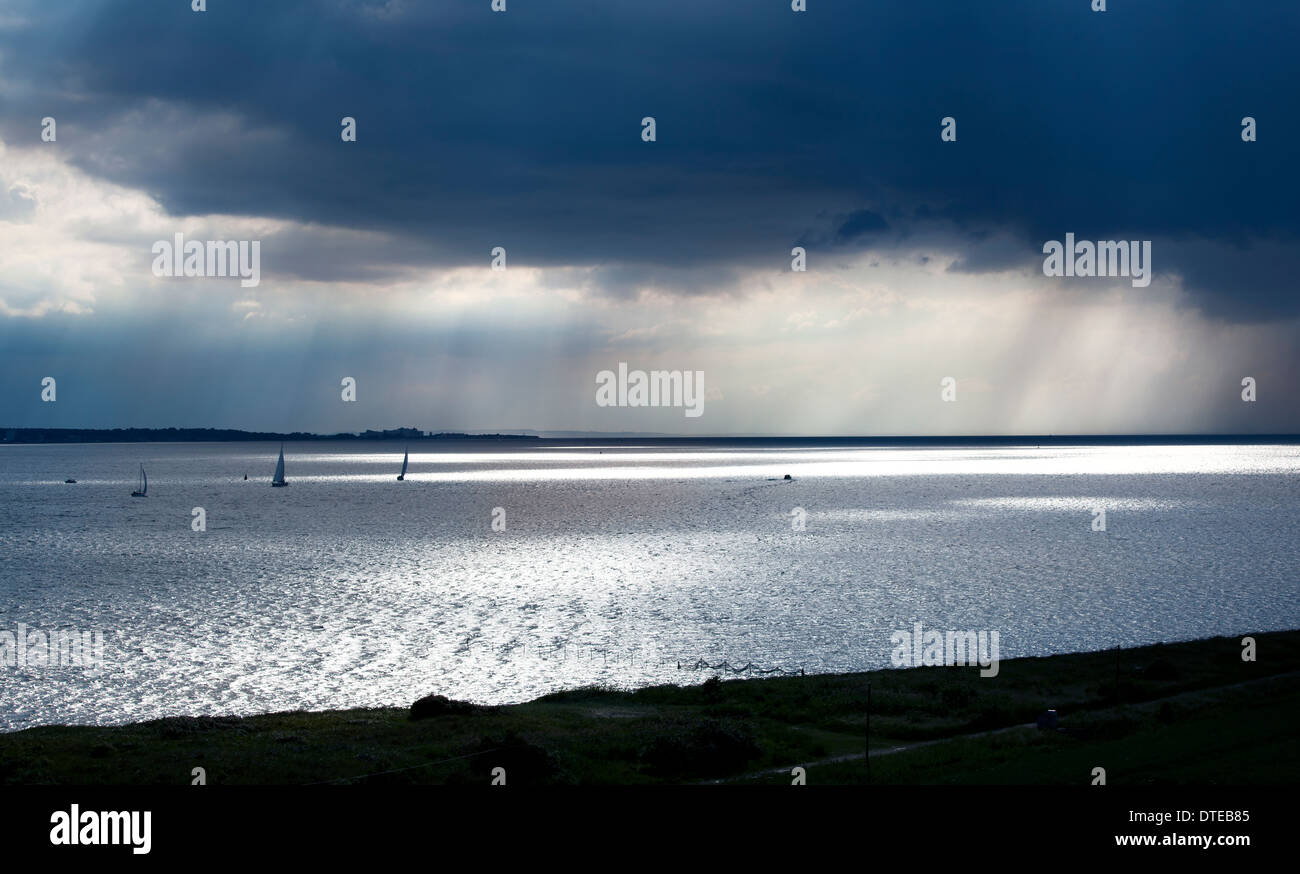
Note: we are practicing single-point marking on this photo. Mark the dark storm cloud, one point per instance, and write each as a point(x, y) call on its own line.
point(864, 221)
point(522, 129)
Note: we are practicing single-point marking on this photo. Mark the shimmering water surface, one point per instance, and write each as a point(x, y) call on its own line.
point(350, 589)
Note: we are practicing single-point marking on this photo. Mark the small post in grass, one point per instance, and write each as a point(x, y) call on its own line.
point(868, 756)
point(1116, 675)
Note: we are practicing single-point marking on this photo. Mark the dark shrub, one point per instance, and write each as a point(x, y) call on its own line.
point(437, 705)
point(711, 688)
point(525, 763)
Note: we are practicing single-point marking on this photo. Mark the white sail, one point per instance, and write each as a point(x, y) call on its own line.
point(144, 481)
point(279, 468)
point(405, 458)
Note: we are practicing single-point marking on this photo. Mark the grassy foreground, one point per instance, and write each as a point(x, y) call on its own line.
point(1191, 713)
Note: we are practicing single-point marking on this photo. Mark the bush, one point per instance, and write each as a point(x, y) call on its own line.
point(436, 705)
point(525, 763)
point(711, 689)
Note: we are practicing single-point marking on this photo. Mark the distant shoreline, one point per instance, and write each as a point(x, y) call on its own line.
point(221, 435)
point(232, 435)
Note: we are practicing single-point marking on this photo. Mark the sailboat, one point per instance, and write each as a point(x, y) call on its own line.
point(278, 479)
point(142, 489)
point(405, 458)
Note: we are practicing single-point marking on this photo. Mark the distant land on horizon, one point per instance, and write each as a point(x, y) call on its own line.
point(232, 435)
point(222, 435)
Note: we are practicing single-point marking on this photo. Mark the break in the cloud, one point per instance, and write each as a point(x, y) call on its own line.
point(775, 129)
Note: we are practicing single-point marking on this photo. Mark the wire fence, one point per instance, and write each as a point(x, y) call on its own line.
point(616, 655)
point(698, 664)
point(750, 667)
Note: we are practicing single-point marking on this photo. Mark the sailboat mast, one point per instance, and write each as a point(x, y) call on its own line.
point(141, 484)
point(278, 479)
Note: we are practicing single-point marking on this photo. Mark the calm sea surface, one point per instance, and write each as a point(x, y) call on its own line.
point(350, 589)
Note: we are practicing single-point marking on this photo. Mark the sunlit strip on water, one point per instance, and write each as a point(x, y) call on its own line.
point(614, 464)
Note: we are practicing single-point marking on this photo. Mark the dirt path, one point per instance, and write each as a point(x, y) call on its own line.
point(1136, 705)
point(850, 757)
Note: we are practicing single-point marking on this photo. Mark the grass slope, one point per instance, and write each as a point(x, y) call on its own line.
point(1191, 713)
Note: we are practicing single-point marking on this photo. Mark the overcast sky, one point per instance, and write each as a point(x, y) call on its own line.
point(774, 129)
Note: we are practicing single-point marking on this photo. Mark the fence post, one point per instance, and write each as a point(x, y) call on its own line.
point(868, 756)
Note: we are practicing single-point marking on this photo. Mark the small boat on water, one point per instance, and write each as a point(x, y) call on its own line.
point(142, 487)
point(278, 479)
point(405, 458)
point(70, 481)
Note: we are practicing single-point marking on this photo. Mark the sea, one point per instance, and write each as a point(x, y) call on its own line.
point(499, 571)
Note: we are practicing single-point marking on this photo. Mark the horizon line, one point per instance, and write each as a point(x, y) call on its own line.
point(43, 435)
